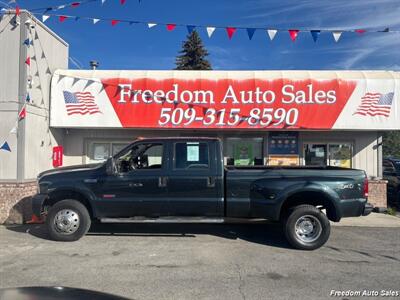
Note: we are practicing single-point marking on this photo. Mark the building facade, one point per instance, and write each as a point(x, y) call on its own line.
point(325, 118)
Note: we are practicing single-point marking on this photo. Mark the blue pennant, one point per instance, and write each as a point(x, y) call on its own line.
point(250, 32)
point(190, 28)
point(315, 34)
point(27, 42)
point(5, 147)
point(28, 98)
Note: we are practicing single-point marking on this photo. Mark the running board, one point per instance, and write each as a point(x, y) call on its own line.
point(163, 220)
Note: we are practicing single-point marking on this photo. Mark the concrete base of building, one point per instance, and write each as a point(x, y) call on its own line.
point(15, 202)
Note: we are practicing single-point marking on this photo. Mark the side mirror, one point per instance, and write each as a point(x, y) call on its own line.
point(110, 166)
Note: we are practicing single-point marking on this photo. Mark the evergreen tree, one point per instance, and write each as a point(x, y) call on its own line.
point(193, 54)
point(391, 144)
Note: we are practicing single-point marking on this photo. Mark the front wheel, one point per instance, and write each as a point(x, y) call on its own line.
point(306, 227)
point(68, 220)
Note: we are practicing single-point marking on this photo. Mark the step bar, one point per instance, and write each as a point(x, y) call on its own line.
point(182, 220)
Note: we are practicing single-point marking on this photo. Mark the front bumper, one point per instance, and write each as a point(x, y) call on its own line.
point(37, 204)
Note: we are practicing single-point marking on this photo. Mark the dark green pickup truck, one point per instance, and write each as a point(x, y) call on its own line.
point(184, 180)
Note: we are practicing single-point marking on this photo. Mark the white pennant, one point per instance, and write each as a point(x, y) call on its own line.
point(102, 2)
point(210, 31)
point(14, 130)
point(45, 17)
point(95, 21)
point(336, 35)
point(61, 7)
point(272, 33)
point(151, 24)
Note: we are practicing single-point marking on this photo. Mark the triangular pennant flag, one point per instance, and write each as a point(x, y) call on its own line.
point(360, 31)
point(28, 61)
point(14, 130)
point(28, 98)
point(60, 77)
point(33, 57)
point(272, 33)
point(27, 42)
point(45, 17)
point(62, 18)
point(5, 147)
point(114, 22)
point(95, 21)
point(102, 2)
point(293, 34)
point(210, 31)
point(315, 34)
point(384, 30)
point(250, 32)
point(75, 4)
point(43, 55)
point(336, 35)
point(61, 6)
point(48, 71)
point(122, 2)
point(88, 83)
point(150, 25)
point(22, 114)
point(17, 11)
point(190, 28)
point(36, 35)
point(171, 27)
point(230, 31)
point(75, 81)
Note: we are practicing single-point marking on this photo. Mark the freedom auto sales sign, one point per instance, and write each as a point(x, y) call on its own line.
point(225, 100)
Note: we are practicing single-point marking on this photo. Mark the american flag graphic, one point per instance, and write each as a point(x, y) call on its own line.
point(375, 104)
point(80, 103)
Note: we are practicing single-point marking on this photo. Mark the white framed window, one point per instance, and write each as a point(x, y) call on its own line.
point(328, 154)
point(100, 150)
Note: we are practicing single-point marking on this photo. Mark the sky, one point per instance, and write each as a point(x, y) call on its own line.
point(127, 46)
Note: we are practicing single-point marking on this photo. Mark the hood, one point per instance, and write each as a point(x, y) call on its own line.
point(70, 169)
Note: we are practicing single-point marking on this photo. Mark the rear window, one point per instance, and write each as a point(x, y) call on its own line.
point(191, 155)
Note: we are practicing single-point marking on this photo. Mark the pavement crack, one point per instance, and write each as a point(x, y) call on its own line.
point(241, 282)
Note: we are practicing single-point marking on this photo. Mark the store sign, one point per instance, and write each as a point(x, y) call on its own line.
point(283, 143)
point(58, 156)
point(207, 99)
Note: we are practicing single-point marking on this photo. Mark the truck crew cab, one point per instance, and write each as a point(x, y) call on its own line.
point(171, 179)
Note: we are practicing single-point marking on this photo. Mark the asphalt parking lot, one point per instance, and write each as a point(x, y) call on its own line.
point(176, 261)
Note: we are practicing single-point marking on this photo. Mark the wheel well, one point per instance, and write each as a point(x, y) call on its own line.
point(311, 198)
point(66, 194)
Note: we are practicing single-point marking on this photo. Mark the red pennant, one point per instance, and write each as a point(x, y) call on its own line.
point(171, 27)
point(75, 4)
point(360, 31)
point(62, 18)
point(293, 34)
point(22, 114)
point(122, 2)
point(17, 11)
point(230, 31)
point(114, 22)
point(28, 61)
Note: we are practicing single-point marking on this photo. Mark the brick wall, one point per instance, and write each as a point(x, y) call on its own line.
point(377, 193)
point(15, 202)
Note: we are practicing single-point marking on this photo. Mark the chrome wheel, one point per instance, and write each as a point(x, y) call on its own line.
point(308, 228)
point(66, 221)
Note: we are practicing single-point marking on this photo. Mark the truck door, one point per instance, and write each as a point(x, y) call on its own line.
point(194, 186)
point(138, 188)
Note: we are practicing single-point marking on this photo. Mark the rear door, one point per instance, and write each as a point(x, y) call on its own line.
point(195, 187)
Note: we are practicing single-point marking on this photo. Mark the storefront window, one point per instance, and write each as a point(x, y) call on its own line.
point(100, 151)
point(338, 155)
point(244, 151)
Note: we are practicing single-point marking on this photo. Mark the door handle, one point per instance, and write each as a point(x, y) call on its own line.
point(210, 181)
point(136, 184)
point(162, 181)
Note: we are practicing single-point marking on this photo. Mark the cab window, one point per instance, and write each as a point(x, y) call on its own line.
point(141, 156)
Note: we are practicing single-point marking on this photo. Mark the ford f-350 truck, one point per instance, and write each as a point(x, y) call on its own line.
point(185, 180)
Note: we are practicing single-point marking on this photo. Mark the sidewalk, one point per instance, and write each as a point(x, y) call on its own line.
point(372, 220)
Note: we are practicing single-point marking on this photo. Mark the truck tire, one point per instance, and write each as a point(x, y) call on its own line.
point(68, 220)
point(306, 227)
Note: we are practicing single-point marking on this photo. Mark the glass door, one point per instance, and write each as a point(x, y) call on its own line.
point(315, 154)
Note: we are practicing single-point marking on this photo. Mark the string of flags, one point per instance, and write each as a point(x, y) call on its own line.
point(210, 30)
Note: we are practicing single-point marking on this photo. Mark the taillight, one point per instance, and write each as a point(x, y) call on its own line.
point(366, 187)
